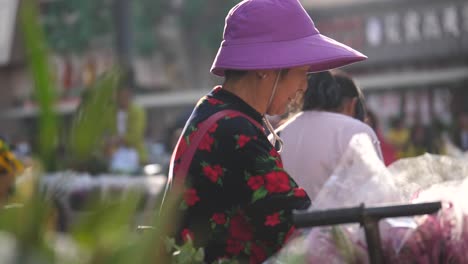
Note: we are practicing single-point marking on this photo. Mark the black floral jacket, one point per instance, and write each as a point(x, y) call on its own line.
point(238, 199)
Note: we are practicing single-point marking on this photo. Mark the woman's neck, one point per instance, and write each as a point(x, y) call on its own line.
point(249, 91)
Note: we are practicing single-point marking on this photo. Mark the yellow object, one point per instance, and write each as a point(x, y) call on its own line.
point(399, 138)
point(10, 167)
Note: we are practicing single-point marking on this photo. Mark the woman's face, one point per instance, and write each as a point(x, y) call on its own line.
point(289, 85)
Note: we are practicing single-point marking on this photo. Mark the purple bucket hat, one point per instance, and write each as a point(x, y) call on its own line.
point(277, 34)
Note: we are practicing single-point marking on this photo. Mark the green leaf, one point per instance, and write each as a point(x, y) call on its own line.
point(37, 58)
point(247, 247)
point(344, 244)
point(259, 194)
point(170, 244)
point(88, 127)
point(200, 255)
point(183, 205)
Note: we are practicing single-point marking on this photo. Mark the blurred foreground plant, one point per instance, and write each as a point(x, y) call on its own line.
point(37, 57)
point(91, 122)
point(106, 232)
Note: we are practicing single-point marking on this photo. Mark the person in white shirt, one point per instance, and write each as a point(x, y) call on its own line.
point(315, 139)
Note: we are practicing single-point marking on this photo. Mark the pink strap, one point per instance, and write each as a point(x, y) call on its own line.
point(186, 158)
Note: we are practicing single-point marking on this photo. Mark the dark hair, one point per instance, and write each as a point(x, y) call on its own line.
point(234, 75)
point(322, 92)
point(351, 90)
point(327, 91)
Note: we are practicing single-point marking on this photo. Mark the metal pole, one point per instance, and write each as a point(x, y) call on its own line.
point(123, 30)
point(374, 247)
point(368, 217)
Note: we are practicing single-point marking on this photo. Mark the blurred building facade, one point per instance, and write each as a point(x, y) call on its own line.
point(418, 54)
point(417, 66)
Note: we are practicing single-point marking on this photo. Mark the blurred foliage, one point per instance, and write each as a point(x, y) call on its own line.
point(105, 232)
point(91, 119)
point(204, 20)
point(72, 26)
point(147, 14)
point(37, 56)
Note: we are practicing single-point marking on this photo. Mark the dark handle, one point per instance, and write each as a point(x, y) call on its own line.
point(357, 214)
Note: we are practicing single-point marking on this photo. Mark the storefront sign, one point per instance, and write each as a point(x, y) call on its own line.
point(417, 25)
point(400, 31)
point(8, 10)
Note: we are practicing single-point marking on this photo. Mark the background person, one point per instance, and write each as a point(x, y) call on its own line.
point(316, 138)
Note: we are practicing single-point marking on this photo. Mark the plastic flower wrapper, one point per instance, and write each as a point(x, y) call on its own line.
point(360, 177)
point(412, 175)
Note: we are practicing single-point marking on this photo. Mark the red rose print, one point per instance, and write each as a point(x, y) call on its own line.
point(213, 172)
point(213, 128)
point(187, 234)
point(191, 197)
point(219, 218)
point(218, 169)
point(289, 234)
point(206, 143)
point(257, 254)
point(242, 140)
point(255, 182)
point(299, 192)
point(240, 229)
point(234, 247)
point(272, 220)
point(274, 153)
point(278, 163)
point(214, 101)
point(277, 182)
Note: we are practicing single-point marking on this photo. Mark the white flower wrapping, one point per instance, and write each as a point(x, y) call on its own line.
point(361, 177)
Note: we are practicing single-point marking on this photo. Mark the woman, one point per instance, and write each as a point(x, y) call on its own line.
point(316, 138)
point(238, 198)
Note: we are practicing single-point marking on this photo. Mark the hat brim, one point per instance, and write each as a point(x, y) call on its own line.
point(320, 52)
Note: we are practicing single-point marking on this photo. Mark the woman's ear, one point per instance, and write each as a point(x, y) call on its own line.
point(261, 74)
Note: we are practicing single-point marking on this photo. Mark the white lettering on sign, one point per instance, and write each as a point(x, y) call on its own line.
point(392, 31)
point(411, 24)
point(431, 27)
point(450, 21)
point(374, 31)
point(430, 23)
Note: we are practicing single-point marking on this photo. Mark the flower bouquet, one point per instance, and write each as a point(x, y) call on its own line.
point(362, 178)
